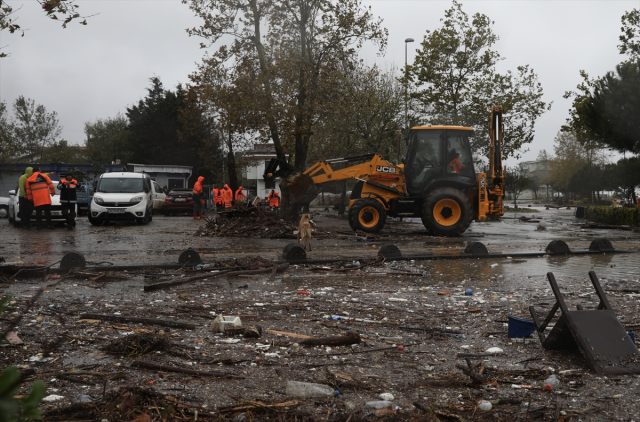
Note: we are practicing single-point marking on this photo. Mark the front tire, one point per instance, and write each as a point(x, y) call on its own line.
point(367, 215)
point(447, 212)
point(145, 219)
point(95, 221)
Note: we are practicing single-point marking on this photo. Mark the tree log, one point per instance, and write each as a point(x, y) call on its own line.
point(157, 286)
point(350, 338)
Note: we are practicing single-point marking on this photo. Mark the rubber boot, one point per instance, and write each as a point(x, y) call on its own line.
point(195, 216)
point(202, 216)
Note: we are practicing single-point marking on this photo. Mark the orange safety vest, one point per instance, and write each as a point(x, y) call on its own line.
point(37, 192)
point(197, 187)
point(240, 194)
point(455, 165)
point(218, 196)
point(274, 199)
point(227, 195)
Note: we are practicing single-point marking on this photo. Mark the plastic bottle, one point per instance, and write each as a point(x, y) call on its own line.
point(552, 381)
point(204, 266)
point(308, 390)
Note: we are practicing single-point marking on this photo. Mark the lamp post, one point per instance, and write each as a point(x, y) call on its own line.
point(406, 107)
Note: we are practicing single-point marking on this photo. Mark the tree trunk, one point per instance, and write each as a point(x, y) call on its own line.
point(266, 81)
point(231, 171)
point(343, 198)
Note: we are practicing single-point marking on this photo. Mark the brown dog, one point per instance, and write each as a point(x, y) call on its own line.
point(304, 231)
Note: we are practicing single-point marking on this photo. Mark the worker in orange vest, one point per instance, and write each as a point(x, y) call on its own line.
point(197, 198)
point(37, 192)
point(68, 188)
point(274, 199)
point(240, 195)
point(218, 199)
point(455, 164)
point(227, 196)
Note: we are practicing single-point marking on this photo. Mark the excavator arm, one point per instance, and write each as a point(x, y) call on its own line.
point(379, 174)
point(491, 184)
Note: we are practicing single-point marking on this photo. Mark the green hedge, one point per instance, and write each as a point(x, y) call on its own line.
point(629, 216)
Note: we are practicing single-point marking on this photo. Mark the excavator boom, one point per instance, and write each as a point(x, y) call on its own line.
point(437, 181)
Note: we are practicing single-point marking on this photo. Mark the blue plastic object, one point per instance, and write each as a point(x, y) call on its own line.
point(632, 334)
point(520, 328)
point(468, 292)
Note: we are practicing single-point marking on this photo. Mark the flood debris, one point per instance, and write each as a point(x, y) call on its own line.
point(139, 344)
point(139, 320)
point(247, 221)
point(386, 339)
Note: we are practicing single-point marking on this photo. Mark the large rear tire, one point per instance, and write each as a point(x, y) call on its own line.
point(447, 212)
point(367, 215)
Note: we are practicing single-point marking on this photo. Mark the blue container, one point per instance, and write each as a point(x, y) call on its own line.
point(468, 292)
point(520, 328)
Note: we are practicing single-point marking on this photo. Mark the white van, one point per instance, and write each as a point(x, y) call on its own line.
point(122, 196)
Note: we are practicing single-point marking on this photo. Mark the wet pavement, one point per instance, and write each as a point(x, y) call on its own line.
point(386, 303)
point(162, 240)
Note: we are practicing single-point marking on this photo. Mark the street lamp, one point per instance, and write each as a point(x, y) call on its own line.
point(406, 107)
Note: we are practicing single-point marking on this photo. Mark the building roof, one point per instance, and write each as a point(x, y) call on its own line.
point(153, 168)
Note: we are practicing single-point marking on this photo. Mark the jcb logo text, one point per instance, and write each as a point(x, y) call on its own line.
point(385, 169)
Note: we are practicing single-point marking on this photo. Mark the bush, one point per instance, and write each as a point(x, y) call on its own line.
point(629, 216)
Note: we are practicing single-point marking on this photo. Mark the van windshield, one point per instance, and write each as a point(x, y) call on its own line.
point(120, 185)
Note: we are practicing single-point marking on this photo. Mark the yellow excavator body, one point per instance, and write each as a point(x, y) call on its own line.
point(436, 181)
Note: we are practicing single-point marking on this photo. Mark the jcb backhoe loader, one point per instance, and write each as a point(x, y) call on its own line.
point(436, 182)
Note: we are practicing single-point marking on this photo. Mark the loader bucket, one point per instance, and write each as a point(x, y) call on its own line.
point(300, 185)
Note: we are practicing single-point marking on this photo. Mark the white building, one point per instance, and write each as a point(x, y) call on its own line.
point(256, 161)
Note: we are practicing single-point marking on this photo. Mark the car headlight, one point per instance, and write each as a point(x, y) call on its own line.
point(98, 200)
point(136, 199)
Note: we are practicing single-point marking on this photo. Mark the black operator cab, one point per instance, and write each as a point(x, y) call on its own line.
point(438, 153)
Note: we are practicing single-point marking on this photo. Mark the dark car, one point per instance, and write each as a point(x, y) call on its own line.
point(84, 195)
point(178, 200)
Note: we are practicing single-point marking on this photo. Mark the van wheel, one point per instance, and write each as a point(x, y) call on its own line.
point(367, 215)
point(447, 212)
point(94, 221)
point(144, 220)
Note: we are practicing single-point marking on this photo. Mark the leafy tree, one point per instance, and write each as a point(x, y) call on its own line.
point(62, 152)
point(516, 181)
point(106, 140)
point(624, 177)
point(607, 109)
point(587, 182)
point(543, 175)
point(630, 38)
point(9, 147)
point(571, 156)
point(62, 10)
point(290, 46)
point(34, 128)
point(456, 82)
point(226, 94)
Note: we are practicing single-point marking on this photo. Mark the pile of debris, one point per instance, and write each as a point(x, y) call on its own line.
point(247, 221)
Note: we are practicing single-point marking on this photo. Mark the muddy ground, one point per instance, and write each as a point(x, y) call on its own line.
point(419, 305)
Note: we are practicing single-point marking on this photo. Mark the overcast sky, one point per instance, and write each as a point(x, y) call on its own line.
point(96, 71)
